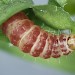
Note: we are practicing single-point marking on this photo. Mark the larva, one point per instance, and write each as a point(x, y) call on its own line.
point(31, 39)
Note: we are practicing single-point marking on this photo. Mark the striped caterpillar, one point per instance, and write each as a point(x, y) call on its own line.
point(31, 39)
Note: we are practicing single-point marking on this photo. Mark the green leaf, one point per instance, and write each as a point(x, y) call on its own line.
point(54, 16)
point(62, 3)
point(66, 63)
point(53, 2)
point(30, 13)
point(11, 7)
point(70, 7)
point(6, 1)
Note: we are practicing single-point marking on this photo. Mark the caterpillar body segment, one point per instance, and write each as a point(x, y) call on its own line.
point(31, 39)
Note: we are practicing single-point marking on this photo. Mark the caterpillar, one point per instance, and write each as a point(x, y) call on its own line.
point(30, 38)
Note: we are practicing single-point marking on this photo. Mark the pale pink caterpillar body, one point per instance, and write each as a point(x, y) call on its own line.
point(31, 39)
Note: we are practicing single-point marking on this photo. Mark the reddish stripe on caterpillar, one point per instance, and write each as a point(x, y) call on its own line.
point(32, 39)
point(18, 16)
point(18, 31)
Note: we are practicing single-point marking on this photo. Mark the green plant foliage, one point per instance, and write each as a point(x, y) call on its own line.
point(54, 16)
point(9, 8)
point(51, 18)
point(70, 7)
point(62, 3)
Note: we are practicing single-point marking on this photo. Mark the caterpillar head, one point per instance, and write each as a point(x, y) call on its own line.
point(71, 42)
